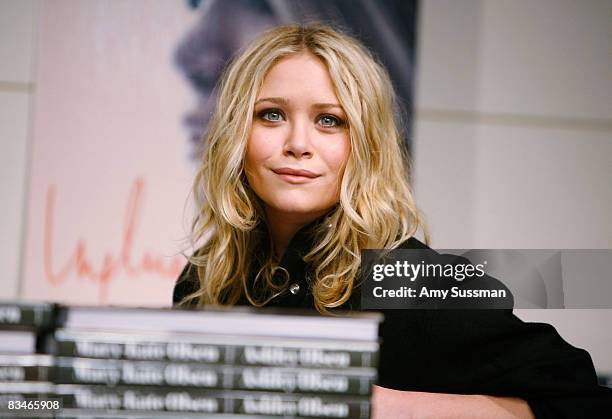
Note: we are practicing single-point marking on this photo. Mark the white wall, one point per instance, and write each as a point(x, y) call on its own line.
point(513, 134)
point(17, 20)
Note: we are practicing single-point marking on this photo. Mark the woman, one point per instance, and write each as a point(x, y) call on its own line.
point(304, 167)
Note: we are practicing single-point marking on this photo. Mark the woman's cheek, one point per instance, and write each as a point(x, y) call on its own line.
point(336, 155)
point(263, 144)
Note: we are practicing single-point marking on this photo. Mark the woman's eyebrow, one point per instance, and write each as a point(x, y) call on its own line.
point(279, 100)
point(326, 105)
point(285, 102)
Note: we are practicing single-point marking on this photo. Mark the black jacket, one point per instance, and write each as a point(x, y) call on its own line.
point(488, 352)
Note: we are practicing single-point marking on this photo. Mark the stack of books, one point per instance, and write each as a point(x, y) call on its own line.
point(25, 375)
point(238, 363)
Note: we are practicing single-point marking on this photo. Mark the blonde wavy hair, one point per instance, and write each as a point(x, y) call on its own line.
point(376, 208)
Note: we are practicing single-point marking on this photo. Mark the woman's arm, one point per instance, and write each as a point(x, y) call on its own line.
point(489, 352)
point(387, 403)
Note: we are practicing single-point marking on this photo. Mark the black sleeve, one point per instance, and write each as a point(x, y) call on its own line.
point(490, 352)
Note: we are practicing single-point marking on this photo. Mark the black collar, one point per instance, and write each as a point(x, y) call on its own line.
point(298, 290)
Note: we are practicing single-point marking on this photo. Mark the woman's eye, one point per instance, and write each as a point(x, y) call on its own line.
point(330, 121)
point(271, 115)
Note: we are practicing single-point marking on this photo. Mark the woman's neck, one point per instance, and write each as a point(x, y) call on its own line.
point(283, 226)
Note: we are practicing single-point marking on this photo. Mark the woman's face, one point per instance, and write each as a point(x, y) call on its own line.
point(299, 142)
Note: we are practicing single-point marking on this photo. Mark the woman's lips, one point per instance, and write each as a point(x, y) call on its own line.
point(295, 176)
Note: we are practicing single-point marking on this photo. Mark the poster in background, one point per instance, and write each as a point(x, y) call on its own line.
point(124, 91)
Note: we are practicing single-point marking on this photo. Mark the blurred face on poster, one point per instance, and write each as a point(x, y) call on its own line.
point(225, 27)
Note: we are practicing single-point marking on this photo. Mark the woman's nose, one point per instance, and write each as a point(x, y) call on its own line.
point(298, 142)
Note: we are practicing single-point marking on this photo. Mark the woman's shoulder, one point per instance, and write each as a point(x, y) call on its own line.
point(186, 284)
point(413, 243)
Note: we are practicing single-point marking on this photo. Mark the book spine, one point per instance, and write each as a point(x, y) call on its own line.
point(138, 373)
point(292, 380)
point(9, 400)
point(247, 355)
point(142, 351)
point(189, 401)
point(15, 373)
point(307, 406)
point(302, 381)
point(142, 399)
point(134, 414)
point(16, 315)
point(280, 356)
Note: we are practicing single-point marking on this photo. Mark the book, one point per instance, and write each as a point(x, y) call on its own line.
point(26, 388)
point(356, 381)
point(17, 341)
point(208, 402)
point(215, 349)
point(35, 367)
point(15, 395)
point(134, 414)
point(220, 321)
point(23, 315)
